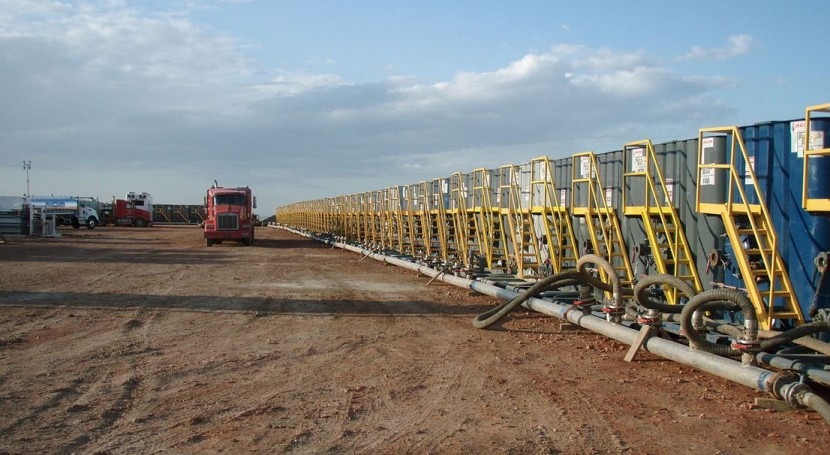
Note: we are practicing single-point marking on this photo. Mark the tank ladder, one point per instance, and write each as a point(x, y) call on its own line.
point(749, 224)
point(521, 233)
point(661, 221)
point(556, 221)
point(813, 151)
point(487, 219)
point(603, 224)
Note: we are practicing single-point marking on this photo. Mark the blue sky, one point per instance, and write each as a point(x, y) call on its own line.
point(309, 99)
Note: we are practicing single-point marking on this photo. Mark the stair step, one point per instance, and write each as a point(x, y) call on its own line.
point(783, 313)
point(746, 231)
point(756, 251)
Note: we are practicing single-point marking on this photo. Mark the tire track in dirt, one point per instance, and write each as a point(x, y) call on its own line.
point(117, 392)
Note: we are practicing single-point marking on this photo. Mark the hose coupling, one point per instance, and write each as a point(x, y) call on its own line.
point(748, 346)
point(651, 318)
point(584, 305)
point(613, 313)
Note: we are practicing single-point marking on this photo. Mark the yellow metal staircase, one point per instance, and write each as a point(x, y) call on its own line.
point(519, 221)
point(487, 219)
point(556, 221)
point(646, 195)
point(749, 228)
point(589, 201)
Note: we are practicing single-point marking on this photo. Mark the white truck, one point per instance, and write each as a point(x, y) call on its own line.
point(67, 210)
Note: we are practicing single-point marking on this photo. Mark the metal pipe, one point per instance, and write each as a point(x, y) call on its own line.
point(796, 394)
point(749, 376)
point(816, 403)
point(812, 372)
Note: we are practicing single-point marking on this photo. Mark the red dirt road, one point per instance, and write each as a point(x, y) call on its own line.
point(139, 341)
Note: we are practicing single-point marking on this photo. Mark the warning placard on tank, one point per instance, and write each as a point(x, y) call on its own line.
point(585, 167)
point(707, 176)
point(638, 160)
point(708, 145)
point(798, 130)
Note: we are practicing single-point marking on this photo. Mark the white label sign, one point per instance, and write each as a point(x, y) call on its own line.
point(670, 191)
point(585, 167)
point(638, 160)
point(799, 138)
point(707, 176)
point(708, 143)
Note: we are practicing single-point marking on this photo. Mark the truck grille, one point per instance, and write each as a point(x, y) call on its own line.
point(227, 222)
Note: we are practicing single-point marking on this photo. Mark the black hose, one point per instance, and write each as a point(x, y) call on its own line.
point(714, 299)
point(566, 278)
point(641, 291)
point(616, 284)
point(793, 334)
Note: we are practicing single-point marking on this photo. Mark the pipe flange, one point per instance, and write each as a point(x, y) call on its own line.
point(715, 257)
point(794, 392)
point(821, 261)
point(778, 380)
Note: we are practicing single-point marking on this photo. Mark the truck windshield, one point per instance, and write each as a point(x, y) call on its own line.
point(229, 199)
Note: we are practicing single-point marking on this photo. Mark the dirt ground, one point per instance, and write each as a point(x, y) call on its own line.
point(141, 341)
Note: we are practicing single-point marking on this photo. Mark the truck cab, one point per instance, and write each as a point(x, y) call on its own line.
point(229, 215)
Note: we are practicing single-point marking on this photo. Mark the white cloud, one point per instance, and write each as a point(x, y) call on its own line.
point(737, 45)
point(105, 100)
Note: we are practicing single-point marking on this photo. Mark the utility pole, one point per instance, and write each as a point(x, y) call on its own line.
point(27, 165)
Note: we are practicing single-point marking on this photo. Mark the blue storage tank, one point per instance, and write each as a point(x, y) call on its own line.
point(773, 151)
point(809, 233)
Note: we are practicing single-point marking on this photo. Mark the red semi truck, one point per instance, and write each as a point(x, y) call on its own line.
point(136, 210)
point(229, 215)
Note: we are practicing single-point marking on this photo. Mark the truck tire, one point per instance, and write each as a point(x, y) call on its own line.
point(91, 222)
point(75, 223)
point(209, 242)
point(139, 222)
